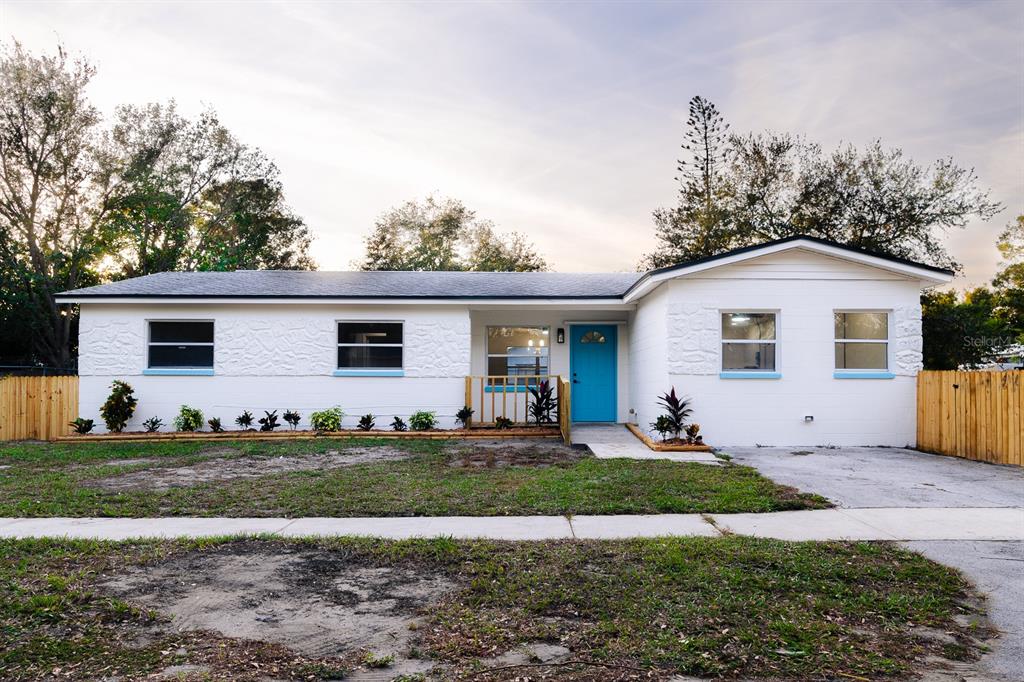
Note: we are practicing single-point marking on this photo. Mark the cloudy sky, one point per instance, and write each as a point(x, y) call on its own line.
point(559, 120)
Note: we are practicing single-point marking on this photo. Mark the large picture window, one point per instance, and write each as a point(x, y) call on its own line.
point(862, 340)
point(180, 344)
point(748, 342)
point(369, 345)
point(517, 351)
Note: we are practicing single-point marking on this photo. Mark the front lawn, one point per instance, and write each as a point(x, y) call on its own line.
point(332, 478)
point(256, 609)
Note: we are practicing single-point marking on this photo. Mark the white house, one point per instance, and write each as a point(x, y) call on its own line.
point(795, 342)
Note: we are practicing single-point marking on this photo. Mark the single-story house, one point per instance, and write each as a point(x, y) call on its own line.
point(799, 341)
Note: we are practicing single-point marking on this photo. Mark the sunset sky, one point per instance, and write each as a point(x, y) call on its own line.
point(562, 121)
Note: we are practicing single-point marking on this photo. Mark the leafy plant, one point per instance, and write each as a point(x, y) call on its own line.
point(676, 410)
point(371, 660)
point(188, 419)
point(269, 423)
point(293, 418)
point(214, 425)
point(82, 425)
point(692, 437)
point(464, 416)
point(543, 402)
point(153, 424)
point(366, 423)
point(502, 423)
point(244, 420)
point(327, 420)
point(398, 424)
point(120, 406)
point(423, 420)
point(662, 426)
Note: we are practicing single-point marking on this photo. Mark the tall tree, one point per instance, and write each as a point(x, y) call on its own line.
point(154, 192)
point(778, 185)
point(443, 234)
point(1009, 282)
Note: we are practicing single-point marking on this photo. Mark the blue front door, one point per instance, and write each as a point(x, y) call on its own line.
point(592, 354)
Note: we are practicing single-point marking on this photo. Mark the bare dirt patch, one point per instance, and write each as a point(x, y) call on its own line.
point(313, 602)
point(504, 453)
point(225, 467)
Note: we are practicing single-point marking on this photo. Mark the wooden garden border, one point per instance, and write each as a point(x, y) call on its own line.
point(665, 447)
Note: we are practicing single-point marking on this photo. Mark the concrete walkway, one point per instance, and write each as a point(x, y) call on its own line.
point(611, 441)
point(922, 524)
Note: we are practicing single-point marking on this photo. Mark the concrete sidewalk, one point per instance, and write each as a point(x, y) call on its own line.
point(921, 524)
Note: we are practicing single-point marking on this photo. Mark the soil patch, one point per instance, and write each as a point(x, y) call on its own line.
point(313, 602)
point(224, 467)
point(504, 453)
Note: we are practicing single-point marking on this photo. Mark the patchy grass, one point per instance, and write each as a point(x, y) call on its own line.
point(721, 607)
point(439, 478)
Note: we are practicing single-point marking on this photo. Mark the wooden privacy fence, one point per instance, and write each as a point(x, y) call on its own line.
point(37, 408)
point(976, 415)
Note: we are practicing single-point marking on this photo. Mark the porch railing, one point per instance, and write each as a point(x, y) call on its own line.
point(509, 396)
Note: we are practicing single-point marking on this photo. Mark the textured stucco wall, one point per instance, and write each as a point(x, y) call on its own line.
point(257, 346)
point(804, 290)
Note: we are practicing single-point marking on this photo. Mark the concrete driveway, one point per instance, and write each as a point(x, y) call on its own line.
point(895, 477)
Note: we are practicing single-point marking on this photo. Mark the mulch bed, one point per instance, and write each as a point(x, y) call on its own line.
point(478, 432)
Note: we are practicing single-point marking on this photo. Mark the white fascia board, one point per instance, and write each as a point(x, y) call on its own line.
point(925, 275)
point(499, 302)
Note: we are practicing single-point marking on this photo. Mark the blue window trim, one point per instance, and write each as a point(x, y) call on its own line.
point(179, 372)
point(521, 388)
point(862, 375)
point(750, 375)
point(368, 373)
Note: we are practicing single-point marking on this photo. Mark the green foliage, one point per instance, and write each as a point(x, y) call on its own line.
point(663, 426)
point(677, 411)
point(153, 424)
point(292, 418)
point(962, 331)
point(372, 660)
point(740, 190)
point(398, 424)
point(82, 425)
point(465, 416)
point(188, 419)
point(215, 425)
point(366, 423)
point(503, 423)
point(244, 420)
point(442, 234)
point(119, 407)
point(543, 404)
point(327, 420)
point(269, 422)
point(423, 420)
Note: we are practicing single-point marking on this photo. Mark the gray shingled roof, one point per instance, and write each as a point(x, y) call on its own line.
point(301, 284)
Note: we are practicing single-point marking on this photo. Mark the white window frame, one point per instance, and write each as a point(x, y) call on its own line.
point(487, 344)
point(151, 342)
point(888, 337)
point(775, 342)
point(339, 344)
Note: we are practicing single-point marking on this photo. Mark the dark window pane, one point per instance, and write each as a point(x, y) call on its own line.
point(748, 356)
point(375, 357)
point(181, 356)
point(181, 332)
point(369, 332)
point(752, 326)
point(862, 356)
point(518, 365)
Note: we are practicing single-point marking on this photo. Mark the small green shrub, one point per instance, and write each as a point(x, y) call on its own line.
point(269, 422)
point(244, 420)
point(423, 421)
point(153, 424)
point(371, 660)
point(215, 425)
point(464, 416)
point(663, 426)
point(327, 420)
point(543, 402)
point(188, 419)
point(292, 417)
point(398, 425)
point(82, 425)
point(120, 406)
point(502, 423)
point(366, 423)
